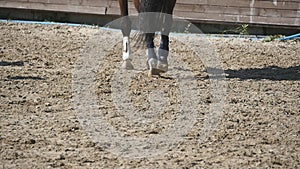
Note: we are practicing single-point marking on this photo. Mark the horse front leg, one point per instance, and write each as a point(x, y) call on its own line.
point(126, 29)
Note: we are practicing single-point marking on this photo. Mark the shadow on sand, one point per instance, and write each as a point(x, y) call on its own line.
point(269, 73)
point(25, 78)
point(5, 63)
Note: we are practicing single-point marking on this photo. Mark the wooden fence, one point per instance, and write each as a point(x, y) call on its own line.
point(265, 12)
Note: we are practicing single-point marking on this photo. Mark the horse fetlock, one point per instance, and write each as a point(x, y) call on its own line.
point(152, 63)
point(162, 65)
point(126, 48)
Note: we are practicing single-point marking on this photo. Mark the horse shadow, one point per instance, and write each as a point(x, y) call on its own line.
point(269, 73)
point(25, 78)
point(17, 63)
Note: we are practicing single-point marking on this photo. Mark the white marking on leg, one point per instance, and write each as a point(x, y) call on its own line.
point(126, 48)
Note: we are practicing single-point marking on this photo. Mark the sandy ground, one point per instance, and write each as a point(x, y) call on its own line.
point(40, 127)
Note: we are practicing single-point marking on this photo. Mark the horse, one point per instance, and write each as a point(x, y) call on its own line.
point(151, 12)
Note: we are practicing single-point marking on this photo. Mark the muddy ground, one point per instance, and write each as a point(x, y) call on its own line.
point(41, 129)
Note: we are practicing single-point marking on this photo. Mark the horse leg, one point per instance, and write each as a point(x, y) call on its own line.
point(163, 53)
point(150, 12)
point(167, 20)
point(152, 58)
point(137, 5)
point(126, 29)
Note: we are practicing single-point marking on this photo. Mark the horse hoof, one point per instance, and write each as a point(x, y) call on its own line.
point(162, 66)
point(127, 65)
point(152, 64)
point(154, 72)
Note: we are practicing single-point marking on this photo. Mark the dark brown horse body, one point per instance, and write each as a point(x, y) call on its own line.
point(154, 15)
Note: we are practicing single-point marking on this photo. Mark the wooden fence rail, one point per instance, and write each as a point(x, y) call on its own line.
point(265, 12)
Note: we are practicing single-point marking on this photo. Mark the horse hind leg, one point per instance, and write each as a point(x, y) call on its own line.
point(152, 58)
point(163, 53)
point(166, 25)
point(163, 50)
point(150, 12)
